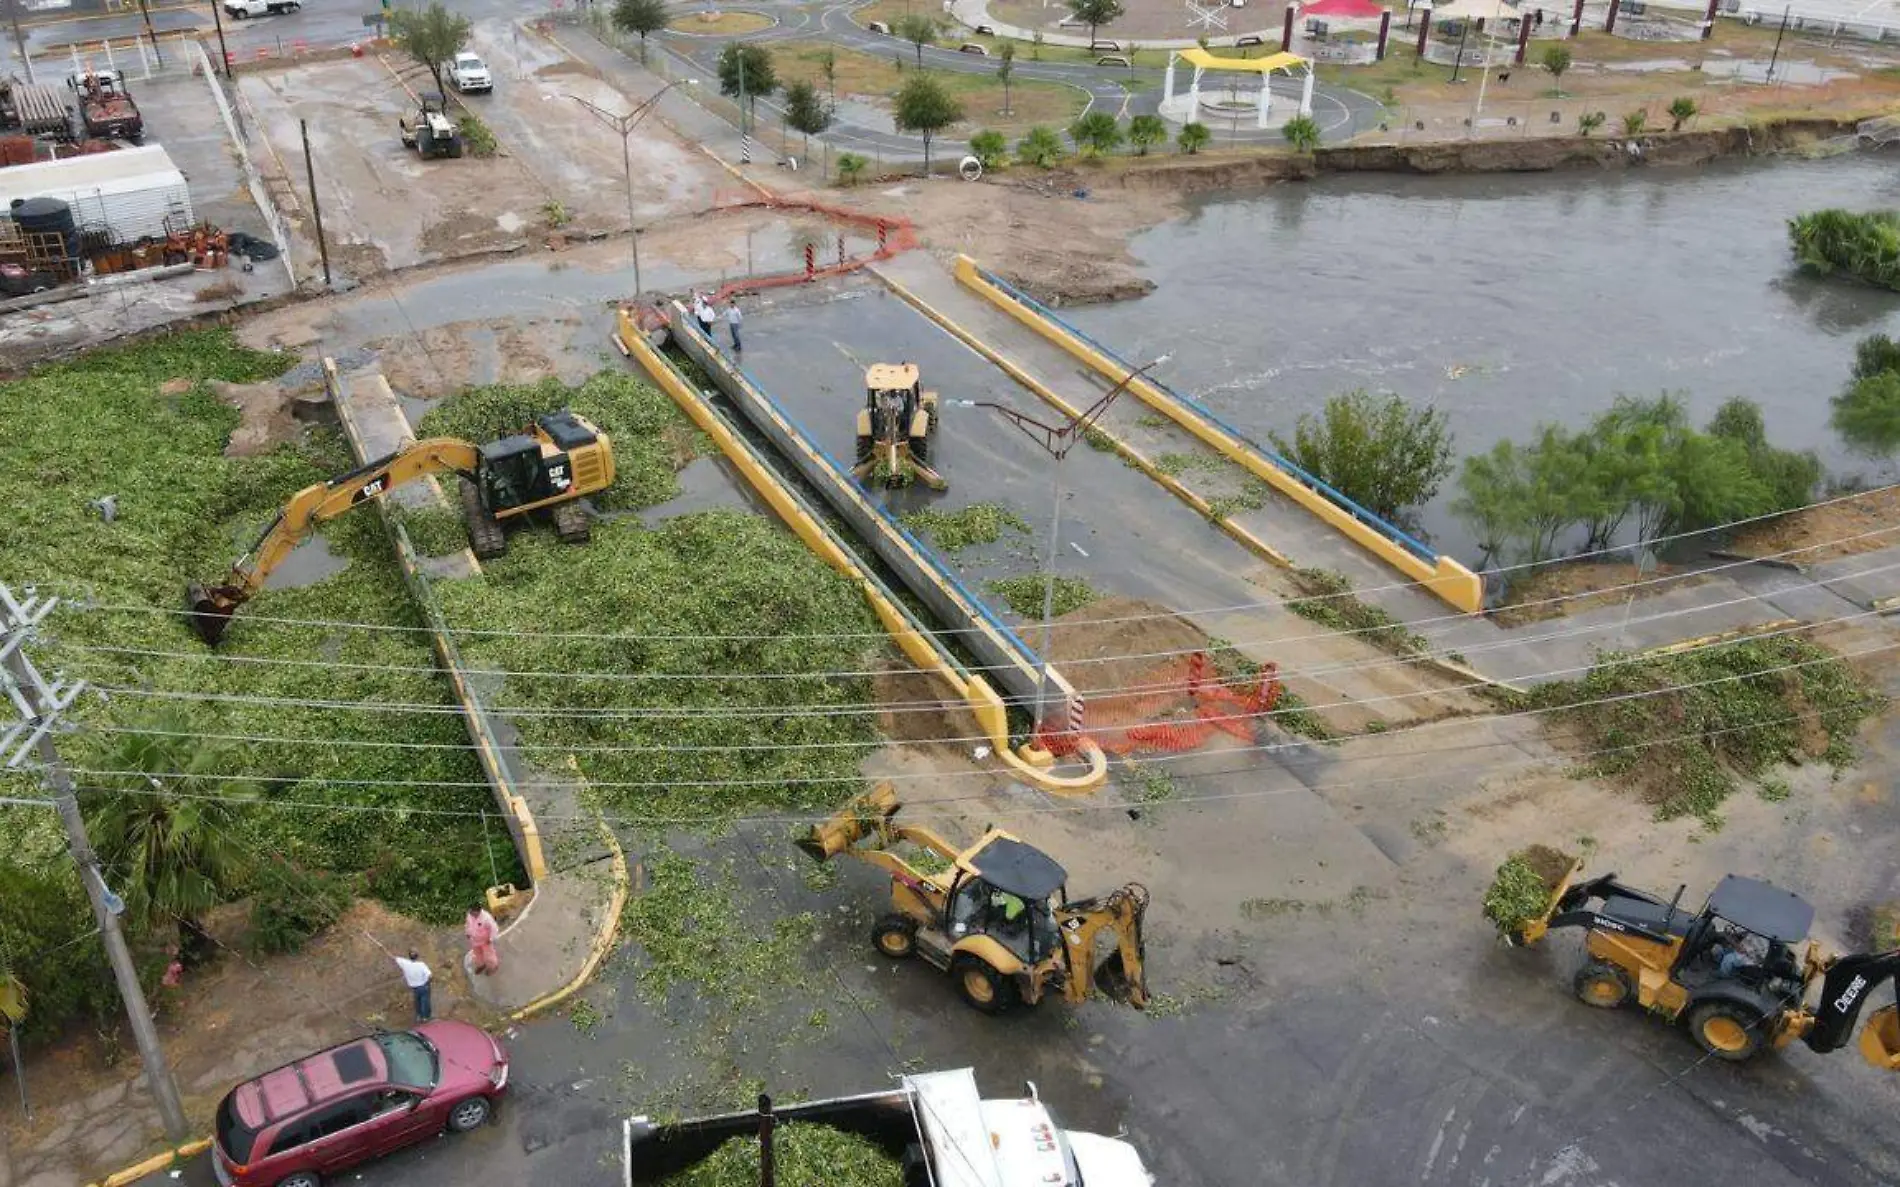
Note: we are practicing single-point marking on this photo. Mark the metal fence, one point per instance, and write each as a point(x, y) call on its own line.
point(200, 63)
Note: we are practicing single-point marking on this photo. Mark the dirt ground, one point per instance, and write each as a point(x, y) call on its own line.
point(559, 167)
point(1063, 249)
point(228, 1019)
point(1533, 598)
point(443, 360)
point(1864, 523)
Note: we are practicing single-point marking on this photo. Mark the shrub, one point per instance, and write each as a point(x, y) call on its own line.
point(1040, 146)
point(1590, 121)
point(1096, 133)
point(989, 147)
point(1193, 137)
point(292, 904)
point(1682, 109)
point(1302, 132)
point(851, 167)
point(477, 138)
point(1377, 451)
point(1145, 130)
point(1864, 246)
point(1635, 121)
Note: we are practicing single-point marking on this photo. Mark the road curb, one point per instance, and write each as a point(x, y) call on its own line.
point(603, 938)
point(156, 1162)
point(1730, 636)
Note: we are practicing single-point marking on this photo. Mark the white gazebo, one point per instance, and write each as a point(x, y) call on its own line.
point(1187, 108)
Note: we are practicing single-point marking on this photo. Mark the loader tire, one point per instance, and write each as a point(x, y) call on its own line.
point(1728, 1030)
point(1601, 984)
point(485, 535)
point(982, 986)
point(864, 449)
point(895, 936)
point(920, 449)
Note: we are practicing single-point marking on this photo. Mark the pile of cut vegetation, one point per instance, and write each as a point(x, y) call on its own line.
point(1686, 729)
point(1523, 886)
point(802, 1156)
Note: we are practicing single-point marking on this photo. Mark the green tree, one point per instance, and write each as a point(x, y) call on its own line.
point(805, 112)
point(1867, 414)
point(1682, 109)
point(1040, 146)
point(164, 826)
point(1556, 60)
point(1096, 13)
point(1193, 137)
point(1635, 121)
point(1590, 121)
point(1005, 67)
point(1146, 130)
point(1035, 46)
point(746, 70)
point(1713, 484)
point(1865, 246)
point(1096, 133)
point(1302, 132)
point(1789, 475)
point(1625, 452)
point(642, 17)
point(1376, 450)
point(851, 167)
point(989, 147)
point(920, 29)
point(1520, 500)
point(923, 106)
point(430, 36)
point(828, 66)
point(1874, 354)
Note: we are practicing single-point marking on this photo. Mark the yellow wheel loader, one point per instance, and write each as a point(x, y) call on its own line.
point(545, 467)
point(897, 428)
point(1741, 974)
point(997, 917)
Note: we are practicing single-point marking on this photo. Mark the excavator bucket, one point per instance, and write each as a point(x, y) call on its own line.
point(211, 610)
point(1113, 982)
point(851, 823)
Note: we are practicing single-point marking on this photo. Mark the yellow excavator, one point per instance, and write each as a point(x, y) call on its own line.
point(546, 466)
point(996, 916)
point(896, 428)
point(1740, 973)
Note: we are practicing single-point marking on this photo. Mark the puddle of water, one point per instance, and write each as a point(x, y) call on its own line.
point(705, 485)
point(1756, 70)
point(307, 564)
point(510, 222)
point(1650, 66)
point(414, 408)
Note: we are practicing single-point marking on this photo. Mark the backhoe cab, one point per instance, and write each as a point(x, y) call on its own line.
point(1739, 973)
point(896, 429)
point(996, 917)
point(547, 466)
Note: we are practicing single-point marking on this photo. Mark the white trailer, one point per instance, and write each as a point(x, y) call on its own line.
point(936, 1123)
point(130, 194)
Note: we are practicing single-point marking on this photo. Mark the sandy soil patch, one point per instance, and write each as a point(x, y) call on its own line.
point(1535, 598)
point(1823, 533)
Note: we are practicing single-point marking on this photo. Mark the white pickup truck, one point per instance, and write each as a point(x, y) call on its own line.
point(240, 9)
point(936, 1123)
point(469, 74)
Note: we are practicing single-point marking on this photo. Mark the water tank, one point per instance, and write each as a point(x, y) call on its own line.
point(43, 215)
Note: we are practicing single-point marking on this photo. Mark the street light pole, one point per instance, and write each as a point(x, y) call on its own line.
point(19, 39)
point(625, 125)
point(1057, 440)
point(217, 16)
point(1783, 32)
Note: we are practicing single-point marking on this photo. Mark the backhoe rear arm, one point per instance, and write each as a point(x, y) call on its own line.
point(315, 504)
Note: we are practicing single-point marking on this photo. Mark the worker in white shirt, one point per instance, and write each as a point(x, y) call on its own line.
point(733, 318)
point(416, 976)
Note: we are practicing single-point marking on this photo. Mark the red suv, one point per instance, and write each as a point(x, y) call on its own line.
point(368, 1097)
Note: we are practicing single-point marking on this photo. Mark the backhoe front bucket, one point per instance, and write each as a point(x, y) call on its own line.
point(857, 819)
point(211, 610)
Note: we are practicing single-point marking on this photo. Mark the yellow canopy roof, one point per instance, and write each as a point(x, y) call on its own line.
point(1196, 56)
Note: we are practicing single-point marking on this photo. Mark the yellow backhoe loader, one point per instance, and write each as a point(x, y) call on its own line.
point(896, 428)
point(997, 917)
point(1740, 974)
point(547, 466)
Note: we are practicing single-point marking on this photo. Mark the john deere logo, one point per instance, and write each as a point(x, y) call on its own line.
point(1845, 1001)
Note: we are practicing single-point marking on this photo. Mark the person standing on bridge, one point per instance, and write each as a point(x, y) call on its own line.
point(733, 318)
point(704, 314)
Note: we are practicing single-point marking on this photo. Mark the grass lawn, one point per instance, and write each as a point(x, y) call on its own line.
point(720, 24)
point(981, 95)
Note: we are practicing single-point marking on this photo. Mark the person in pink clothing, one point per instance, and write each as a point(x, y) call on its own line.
point(481, 930)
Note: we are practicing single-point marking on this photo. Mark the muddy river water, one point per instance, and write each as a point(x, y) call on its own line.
point(1511, 300)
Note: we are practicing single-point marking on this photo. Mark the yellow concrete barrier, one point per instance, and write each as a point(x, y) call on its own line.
point(983, 702)
point(1449, 580)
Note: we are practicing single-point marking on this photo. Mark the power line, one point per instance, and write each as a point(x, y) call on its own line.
point(620, 675)
point(792, 712)
point(1647, 543)
point(940, 704)
point(1063, 808)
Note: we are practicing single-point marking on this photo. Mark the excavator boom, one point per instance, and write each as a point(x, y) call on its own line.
point(212, 607)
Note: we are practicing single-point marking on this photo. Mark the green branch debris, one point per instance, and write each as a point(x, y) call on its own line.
point(803, 1155)
point(979, 523)
point(1690, 727)
point(1523, 886)
point(1024, 594)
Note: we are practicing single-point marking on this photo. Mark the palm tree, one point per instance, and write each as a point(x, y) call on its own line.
point(164, 828)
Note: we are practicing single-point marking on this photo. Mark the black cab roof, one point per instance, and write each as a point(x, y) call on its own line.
point(1763, 908)
point(1019, 869)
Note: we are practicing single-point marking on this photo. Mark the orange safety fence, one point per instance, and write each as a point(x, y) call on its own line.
point(894, 234)
point(1184, 712)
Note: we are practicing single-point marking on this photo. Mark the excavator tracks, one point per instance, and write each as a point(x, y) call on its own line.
point(571, 523)
point(485, 534)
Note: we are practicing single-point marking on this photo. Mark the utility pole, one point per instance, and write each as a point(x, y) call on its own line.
point(19, 38)
point(1057, 441)
point(217, 15)
point(1775, 57)
point(624, 125)
point(152, 33)
point(316, 209)
point(39, 705)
